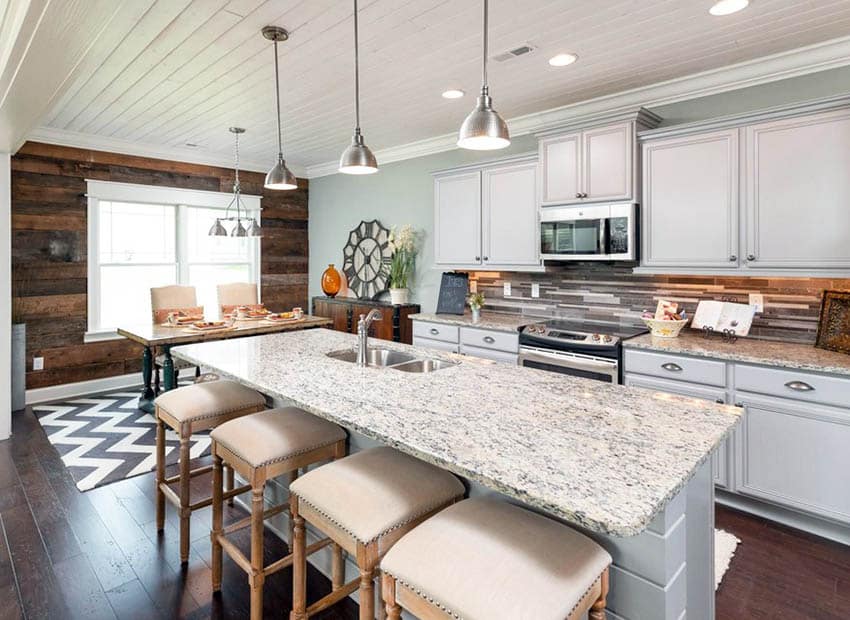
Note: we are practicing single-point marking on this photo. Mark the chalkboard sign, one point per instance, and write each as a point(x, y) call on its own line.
point(453, 288)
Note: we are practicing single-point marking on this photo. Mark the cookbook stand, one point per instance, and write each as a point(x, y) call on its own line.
point(728, 335)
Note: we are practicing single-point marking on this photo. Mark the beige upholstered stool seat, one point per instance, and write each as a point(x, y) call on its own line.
point(483, 559)
point(372, 492)
point(203, 401)
point(275, 435)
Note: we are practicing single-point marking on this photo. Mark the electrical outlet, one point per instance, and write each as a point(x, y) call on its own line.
point(757, 300)
point(535, 289)
point(506, 289)
point(473, 286)
point(38, 363)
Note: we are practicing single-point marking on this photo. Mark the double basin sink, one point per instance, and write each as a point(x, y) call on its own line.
point(387, 358)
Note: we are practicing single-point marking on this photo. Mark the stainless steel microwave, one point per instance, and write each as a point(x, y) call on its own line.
point(594, 232)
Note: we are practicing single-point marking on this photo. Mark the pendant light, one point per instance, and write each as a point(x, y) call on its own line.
point(484, 129)
point(279, 177)
point(239, 230)
point(357, 158)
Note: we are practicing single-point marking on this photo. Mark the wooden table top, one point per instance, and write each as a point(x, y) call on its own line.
point(151, 335)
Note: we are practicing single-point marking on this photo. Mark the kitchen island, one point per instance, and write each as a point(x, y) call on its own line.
point(627, 466)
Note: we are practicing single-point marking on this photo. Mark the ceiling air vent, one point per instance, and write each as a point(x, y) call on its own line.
point(514, 53)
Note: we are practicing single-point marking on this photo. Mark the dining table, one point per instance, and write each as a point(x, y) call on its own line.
point(163, 337)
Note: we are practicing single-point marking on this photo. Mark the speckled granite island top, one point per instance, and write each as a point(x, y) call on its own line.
point(748, 350)
point(498, 321)
point(605, 457)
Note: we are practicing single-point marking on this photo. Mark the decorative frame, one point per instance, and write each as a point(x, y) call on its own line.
point(366, 259)
point(834, 323)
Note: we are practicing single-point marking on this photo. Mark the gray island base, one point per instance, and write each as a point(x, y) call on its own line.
point(627, 466)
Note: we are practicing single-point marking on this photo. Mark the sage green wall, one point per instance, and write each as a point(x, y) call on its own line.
point(402, 192)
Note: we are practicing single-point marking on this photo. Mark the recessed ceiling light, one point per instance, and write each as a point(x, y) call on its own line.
point(562, 60)
point(727, 7)
point(453, 93)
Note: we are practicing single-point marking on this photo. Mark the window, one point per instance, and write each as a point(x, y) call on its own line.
point(142, 236)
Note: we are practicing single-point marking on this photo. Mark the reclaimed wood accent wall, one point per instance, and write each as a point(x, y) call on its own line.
point(49, 256)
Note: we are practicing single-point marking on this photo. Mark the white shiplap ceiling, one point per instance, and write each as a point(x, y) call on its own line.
point(164, 73)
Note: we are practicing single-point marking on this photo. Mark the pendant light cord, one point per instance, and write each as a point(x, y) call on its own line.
point(277, 92)
point(484, 86)
point(356, 73)
point(236, 187)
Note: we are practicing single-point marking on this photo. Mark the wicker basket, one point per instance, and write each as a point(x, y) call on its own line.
point(665, 329)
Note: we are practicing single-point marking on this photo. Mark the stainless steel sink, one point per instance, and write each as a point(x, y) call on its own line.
point(423, 365)
point(374, 357)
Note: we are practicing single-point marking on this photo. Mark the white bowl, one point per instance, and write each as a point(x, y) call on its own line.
point(665, 329)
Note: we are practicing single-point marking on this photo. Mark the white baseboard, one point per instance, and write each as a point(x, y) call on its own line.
point(80, 388)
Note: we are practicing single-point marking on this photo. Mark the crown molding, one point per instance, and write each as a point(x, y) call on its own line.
point(62, 137)
point(801, 61)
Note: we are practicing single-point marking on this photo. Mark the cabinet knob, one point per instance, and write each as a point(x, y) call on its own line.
point(751, 256)
point(719, 401)
point(486, 258)
point(578, 195)
point(671, 367)
point(733, 258)
point(477, 258)
point(739, 404)
point(799, 386)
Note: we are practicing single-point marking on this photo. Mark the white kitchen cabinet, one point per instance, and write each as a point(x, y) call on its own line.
point(473, 341)
point(798, 192)
point(457, 207)
point(690, 201)
point(560, 158)
point(794, 454)
point(510, 215)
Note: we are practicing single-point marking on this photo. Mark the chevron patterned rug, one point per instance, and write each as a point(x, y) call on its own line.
point(104, 437)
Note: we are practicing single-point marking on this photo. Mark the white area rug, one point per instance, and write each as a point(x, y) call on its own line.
point(724, 548)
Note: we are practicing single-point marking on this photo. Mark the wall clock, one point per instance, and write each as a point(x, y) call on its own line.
point(366, 259)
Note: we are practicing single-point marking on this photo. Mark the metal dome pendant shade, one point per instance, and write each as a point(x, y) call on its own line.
point(279, 177)
point(357, 158)
point(484, 129)
point(217, 229)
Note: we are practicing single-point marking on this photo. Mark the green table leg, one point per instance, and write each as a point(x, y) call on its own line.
point(169, 377)
point(148, 395)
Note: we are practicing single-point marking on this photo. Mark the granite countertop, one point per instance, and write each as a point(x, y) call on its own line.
point(749, 350)
point(497, 321)
point(604, 457)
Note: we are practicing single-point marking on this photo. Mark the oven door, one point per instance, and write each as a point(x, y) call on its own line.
point(576, 365)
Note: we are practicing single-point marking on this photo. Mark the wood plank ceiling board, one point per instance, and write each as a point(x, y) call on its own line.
point(188, 69)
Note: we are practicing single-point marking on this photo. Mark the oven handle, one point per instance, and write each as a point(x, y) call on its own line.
point(569, 360)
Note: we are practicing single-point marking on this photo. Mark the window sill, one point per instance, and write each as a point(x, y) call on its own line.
point(100, 336)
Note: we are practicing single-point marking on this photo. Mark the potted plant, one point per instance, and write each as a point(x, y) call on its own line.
point(475, 301)
point(403, 246)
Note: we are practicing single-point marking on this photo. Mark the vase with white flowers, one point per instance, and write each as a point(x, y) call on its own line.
point(403, 245)
point(475, 301)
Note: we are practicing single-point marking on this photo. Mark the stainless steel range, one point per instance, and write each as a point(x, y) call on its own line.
point(581, 349)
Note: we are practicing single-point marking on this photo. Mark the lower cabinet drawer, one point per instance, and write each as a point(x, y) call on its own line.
point(428, 343)
point(794, 454)
point(489, 339)
point(676, 367)
point(803, 386)
point(435, 331)
point(490, 354)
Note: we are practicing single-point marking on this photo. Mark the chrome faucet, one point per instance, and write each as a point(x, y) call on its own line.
point(363, 334)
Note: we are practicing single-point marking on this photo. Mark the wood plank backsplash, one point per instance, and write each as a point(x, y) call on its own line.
point(49, 260)
point(612, 293)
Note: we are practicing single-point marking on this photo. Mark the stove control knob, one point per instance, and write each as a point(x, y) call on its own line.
point(596, 337)
point(607, 338)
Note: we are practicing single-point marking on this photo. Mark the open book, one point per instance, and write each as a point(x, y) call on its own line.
point(722, 315)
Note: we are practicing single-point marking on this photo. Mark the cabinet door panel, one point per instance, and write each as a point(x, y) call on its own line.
point(510, 215)
point(799, 191)
point(560, 158)
point(457, 226)
point(607, 161)
point(690, 201)
point(795, 454)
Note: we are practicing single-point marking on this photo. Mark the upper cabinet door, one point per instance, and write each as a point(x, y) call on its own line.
point(457, 226)
point(690, 201)
point(560, 158)
point(608, 162)
point(510, 215)
point(798, 193)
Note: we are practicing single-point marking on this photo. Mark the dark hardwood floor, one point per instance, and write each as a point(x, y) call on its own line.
point(66, 554)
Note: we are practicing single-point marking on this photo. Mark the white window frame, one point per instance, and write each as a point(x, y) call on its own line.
point(177, 197)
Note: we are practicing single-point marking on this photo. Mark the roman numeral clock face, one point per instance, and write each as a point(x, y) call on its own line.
point(366, 259)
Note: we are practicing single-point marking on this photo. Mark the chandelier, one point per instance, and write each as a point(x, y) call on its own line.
point(246, 225)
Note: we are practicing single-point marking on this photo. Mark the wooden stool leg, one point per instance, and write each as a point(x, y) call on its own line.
point(230, 483)
point(217, 520)
point(393, 609)
point(293, 476)
point(257, 577)
point(185, 481)
point(379, 591)
point(337, 567)
point(299, 564)
point(367, 595)
point(597, 612)
point(160, 475)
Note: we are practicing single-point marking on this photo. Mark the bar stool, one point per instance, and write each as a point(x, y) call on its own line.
point(186, 410)
point(487, 559)
point(260, 447)
point(365, 503)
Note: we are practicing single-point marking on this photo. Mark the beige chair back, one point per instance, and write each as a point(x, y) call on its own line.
point(166, 299)
point(236, 294)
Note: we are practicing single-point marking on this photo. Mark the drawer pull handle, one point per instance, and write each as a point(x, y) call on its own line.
point(489, 339)
point(720, 401)
point(799, 386)
point(739, 404)
point(435, 331)
point(671, 367)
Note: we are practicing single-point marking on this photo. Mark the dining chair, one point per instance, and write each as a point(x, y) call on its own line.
point(168, 299)
point(236, 294)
